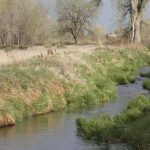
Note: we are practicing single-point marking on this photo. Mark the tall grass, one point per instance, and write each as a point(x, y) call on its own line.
point(71, 78)
point(146, 84)
point(103, 70)
point(131, 126)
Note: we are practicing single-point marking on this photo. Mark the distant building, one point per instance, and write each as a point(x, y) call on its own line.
point(112, 35)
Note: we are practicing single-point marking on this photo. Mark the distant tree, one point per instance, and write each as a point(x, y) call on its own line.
point(133, 11)
point(97, 33)
point(74, 16)
point(23, 22)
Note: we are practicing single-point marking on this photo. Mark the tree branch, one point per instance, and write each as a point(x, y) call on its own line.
point(147, 24)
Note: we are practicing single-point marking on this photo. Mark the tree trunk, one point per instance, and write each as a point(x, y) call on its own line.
point(136, 29)
point(76, 40)
point(75, 33)
point(137, 36)
point(136, 19)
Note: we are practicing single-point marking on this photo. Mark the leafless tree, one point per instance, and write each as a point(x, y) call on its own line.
point(133, 11)
point(74, 16)
point(23, 22)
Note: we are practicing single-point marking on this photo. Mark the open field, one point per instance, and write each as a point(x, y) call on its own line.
point(73, 78)
point(17, 55)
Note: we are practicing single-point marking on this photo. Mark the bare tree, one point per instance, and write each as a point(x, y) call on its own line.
point(74, 16)
point(23, 22)
point(134, 11)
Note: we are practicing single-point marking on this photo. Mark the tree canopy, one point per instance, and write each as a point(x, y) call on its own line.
point(74, 16)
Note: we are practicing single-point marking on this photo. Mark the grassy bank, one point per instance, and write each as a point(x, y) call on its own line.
point(131, 126)
point(147, 75)
point(69, 79)
point(146, 83)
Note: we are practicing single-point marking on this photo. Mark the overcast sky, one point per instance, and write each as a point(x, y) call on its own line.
point(107, 15)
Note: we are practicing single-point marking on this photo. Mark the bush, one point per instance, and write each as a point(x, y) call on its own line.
point(147, 75)
point(146, 84)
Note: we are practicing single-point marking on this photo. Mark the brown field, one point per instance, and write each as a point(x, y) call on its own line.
point(15, 55)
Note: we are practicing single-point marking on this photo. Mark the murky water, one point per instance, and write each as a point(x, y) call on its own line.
point(57, 131)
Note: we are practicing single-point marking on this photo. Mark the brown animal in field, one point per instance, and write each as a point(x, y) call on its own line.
point(51, 51)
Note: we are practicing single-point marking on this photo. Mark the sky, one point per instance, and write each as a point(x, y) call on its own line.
point(106, 15)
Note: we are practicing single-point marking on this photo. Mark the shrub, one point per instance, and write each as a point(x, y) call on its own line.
point(146, 84)
point(131, 126)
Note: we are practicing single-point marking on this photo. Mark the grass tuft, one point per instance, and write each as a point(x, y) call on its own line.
point(146, 84)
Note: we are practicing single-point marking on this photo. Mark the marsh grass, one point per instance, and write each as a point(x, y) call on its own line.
point(146, 84)
point(105, 69)
point(17, 108)
point(72, 78)
point(147, 75)
point(131, 126)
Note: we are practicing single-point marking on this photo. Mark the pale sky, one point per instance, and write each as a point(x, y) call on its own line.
point(106, 16)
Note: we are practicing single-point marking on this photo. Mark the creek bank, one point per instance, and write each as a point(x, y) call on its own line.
point(72, 80)
point(146, 83)
point(49, 130)
point(130, 126)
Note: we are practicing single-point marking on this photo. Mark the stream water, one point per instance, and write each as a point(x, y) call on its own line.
point(57, 131)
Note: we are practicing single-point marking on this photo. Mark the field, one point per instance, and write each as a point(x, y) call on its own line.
point(73, 77)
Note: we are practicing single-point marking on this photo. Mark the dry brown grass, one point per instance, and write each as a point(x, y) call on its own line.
point(15, 55)
point(6, 120)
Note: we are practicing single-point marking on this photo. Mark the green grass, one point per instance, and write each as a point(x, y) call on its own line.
point(17, 108)
point(97, 90)
point(131, 126)
point(103, 75)
point(146, 84)
point(147, 75)
point(72, 84)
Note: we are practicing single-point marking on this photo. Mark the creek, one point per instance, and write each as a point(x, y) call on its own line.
point(57, 131)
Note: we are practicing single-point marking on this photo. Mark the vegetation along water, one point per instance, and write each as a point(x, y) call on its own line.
point(65, 60)
point(131, 126)
point(53, 83)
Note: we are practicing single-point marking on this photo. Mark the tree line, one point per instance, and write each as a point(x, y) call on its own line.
point(27, 22)
point(23, 22)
